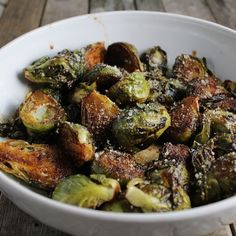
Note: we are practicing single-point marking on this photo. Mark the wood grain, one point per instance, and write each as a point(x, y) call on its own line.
point(19, 17)
point(224, 11)
point(110, 5)
point(150, 5)
point(1, 9)
point(12, 220)
point(196, 8)
point(60, 9)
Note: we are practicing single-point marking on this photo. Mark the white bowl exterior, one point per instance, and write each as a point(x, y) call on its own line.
point(176, 34)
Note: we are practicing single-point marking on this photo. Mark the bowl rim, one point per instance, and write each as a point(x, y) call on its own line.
point(192, 213)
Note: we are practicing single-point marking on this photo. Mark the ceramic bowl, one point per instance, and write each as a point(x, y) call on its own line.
point(176, 34)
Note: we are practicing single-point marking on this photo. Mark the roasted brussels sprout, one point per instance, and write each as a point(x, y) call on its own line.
point(187, 67)
point(86, 192)
point(123, 55)
point(140, 123)
point(98, 112)
point(40, 112)
point(150, 197)
point(77, 142)
point(117, 165)
point(155, 59)
point(104, 76)
point(80, 92)
point(230, 86)
point(61, 70)
point(147, 155)
point(93, 54)
point(216, 122)
point(133, 88)
point(184, 119)
point(221, 101)
point(38, 164)
point(120, 205)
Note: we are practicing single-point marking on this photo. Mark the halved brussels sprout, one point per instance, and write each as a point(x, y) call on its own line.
point(133, 88)
point(94, 54)
point(77, 142)
point(140, 123)
point(155, 58)
point(184, 120)
point(62, 69)
point(98, 112)
point(40, 112)
point(119, 205)
point(187, 67)
point(80, 92)
point(181, 199)
point(123, 55)
point(147, 155)
point(148, 196)
point(230, 86)
point(216, 122)
point(86, 192)
point(39, 164)
point(104, 76)
point(117, 165)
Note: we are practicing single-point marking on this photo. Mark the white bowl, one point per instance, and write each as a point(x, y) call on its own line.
point(176, 34)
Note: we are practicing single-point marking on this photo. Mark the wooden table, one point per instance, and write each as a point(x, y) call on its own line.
point(20, 16)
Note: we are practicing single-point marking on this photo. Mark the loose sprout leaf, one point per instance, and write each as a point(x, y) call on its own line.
point(81, 191)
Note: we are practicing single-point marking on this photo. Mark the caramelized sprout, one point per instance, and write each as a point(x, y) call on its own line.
point(188, 67)
point(38, 164)
point(123, 55)
point(140, 123)
point(98, 112)
point(40, 112)
point(117, 165)
point(86, 192)
point(133, 88)
point(77, 142)
point(230, 86)
point(184, 119)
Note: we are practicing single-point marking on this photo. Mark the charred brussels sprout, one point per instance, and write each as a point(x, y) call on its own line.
point(38, 164)
point(150, 197)
point(86, 192)
point(155, 59)
point(98, 112)
point(80, 92)
point(188, 67)
point(104, 76)
point(216, 122)
point(117, 165)
point(61, 70)
point(133, 88)
point(77, 142)
point(138, 124)
point(123, 55)
point(184, 119)
point(40, 112)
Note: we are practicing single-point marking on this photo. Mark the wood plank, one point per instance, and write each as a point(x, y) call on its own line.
point(224, 11)
point(110, 5)
point(150, 5)
point(60, 9)
point(12, 216)
point(196, 8)
point(1, 9)
point(19, 17)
